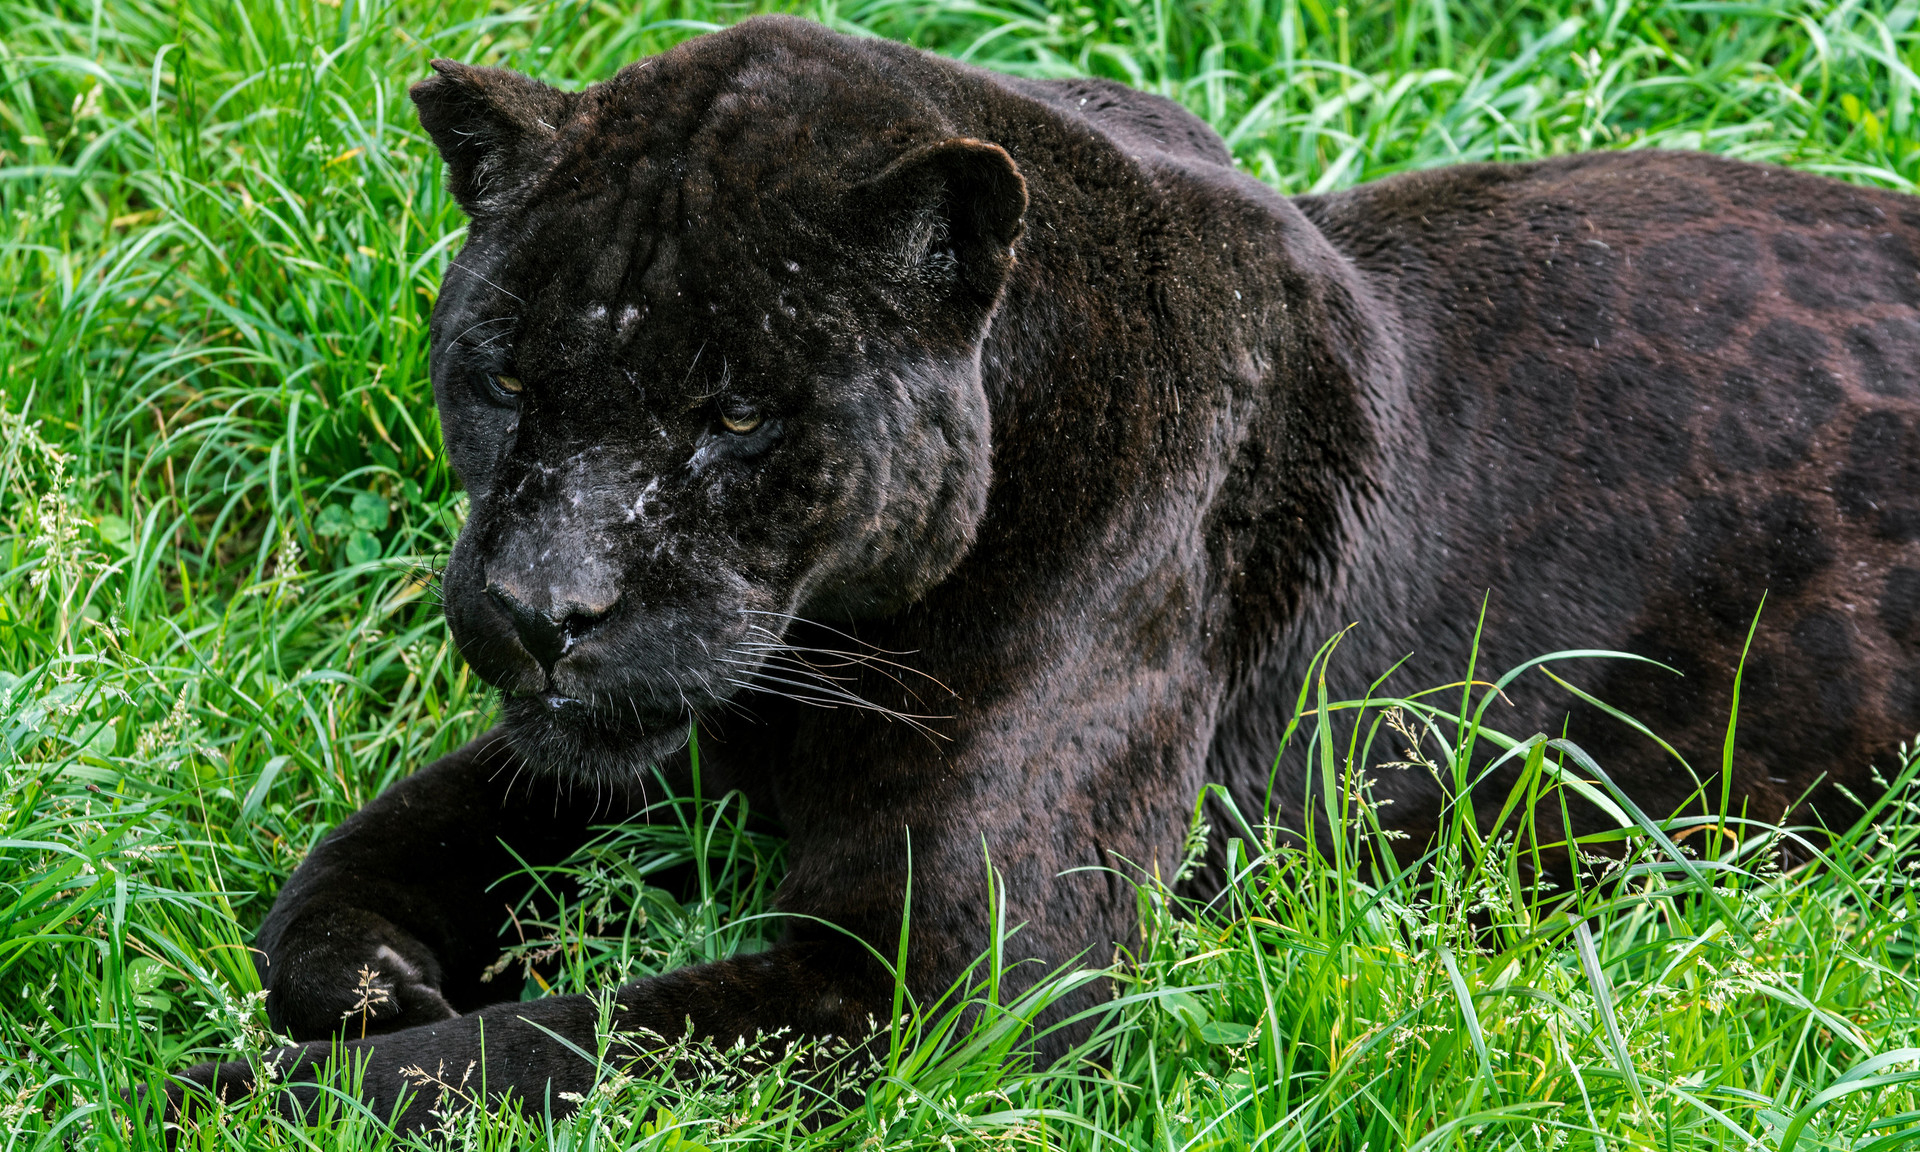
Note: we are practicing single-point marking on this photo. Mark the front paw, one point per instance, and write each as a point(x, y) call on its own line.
point(389, 993)
point(350, 973)
point(399, 1078)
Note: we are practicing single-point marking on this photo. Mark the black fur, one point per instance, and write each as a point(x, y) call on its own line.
point(1023, 378)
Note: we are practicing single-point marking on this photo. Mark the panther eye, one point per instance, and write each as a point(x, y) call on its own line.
point(740, 423)
point(503, 390)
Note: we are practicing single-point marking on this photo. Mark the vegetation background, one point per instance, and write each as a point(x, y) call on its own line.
point(222, 496)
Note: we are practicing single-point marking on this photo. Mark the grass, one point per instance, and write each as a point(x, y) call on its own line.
point(221, 489)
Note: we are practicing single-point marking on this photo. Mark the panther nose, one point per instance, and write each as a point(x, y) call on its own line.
point(545, 638)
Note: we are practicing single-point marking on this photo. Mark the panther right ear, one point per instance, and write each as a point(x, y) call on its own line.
point(492, 127)
point(951, 212)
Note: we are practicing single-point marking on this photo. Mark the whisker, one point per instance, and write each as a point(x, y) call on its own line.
point(763, 685)
point(833, 691)
point(477, 276)
point(776, 642)
point(823, 628)
point(482, 324)
point(768, 662)
point(834, 697)
point(783, 695)
point(795, 653)
point(793, 663)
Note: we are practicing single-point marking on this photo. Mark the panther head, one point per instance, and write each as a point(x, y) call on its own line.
point(709, 360)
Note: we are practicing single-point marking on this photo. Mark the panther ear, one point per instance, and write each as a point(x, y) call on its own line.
point(951, 211)
point(492, 127)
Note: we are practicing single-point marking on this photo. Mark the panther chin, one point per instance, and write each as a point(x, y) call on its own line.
point(571, 738)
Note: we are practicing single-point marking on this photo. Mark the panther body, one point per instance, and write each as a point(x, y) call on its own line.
point(783, 337)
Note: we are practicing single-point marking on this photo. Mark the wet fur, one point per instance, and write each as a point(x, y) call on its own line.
point(1109, 490)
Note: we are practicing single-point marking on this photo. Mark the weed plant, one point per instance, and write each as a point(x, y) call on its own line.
point(222, 497)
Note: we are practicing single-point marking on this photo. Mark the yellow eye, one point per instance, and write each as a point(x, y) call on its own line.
point(509, 384)
point(740, 425)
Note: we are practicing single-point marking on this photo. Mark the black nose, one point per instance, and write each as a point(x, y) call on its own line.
point(545, 638)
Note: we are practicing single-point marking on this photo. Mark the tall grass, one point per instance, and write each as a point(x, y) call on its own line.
point(221, 492)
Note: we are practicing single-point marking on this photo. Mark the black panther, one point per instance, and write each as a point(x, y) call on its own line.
point(783, 337)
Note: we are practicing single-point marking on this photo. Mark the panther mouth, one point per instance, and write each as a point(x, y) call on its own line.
point(596, 739)
point(593, 722)
point(565, 709)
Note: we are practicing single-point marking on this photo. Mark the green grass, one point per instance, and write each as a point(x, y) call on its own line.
point(220, 490)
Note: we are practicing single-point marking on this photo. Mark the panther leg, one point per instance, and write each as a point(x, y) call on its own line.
point(854, 870)
point(527, 1051)
point(394, 917)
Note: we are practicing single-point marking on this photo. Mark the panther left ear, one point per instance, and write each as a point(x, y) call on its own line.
point(492, 126)
point(953, 211)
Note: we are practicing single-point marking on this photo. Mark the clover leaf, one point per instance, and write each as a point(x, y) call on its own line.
point(369, 512)
point(333, 520)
